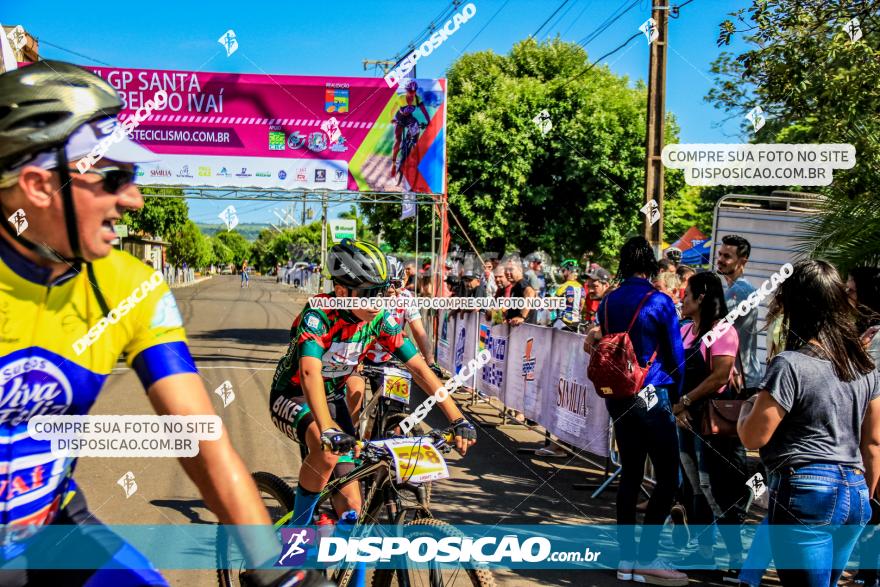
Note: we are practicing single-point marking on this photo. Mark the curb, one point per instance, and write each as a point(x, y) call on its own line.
point(199, 280)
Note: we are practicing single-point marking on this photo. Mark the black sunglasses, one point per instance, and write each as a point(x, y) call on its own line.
point(371, 292)
point(115, 178)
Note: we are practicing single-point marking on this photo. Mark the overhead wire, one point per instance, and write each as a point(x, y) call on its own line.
point(535, 34)
point(436, 22)
point(577, 18)
point(497, 12)
point(556, 23)
point(607, 23)
point(45, 42)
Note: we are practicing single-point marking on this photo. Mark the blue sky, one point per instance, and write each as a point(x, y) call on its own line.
point(314, 37)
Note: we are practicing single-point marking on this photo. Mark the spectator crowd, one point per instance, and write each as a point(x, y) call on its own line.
point(811, 411)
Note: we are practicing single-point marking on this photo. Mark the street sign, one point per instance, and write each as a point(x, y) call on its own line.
point(121, 230)
point(342, 228)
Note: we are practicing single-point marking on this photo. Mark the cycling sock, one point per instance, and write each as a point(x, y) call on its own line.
point(304, 506)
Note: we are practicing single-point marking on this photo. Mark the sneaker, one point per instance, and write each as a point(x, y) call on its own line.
point(697, 560)
point(547, 451)
point(681, 534)
point(625, 571)
point(731, 576)
point(659, 572)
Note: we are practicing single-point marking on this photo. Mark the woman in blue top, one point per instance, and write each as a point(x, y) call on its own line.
point(643, 432)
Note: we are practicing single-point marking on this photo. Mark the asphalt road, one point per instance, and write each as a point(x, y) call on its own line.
point(238, 334)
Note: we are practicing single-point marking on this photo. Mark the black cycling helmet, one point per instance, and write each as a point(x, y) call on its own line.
point(358, 265)
point(41, 105)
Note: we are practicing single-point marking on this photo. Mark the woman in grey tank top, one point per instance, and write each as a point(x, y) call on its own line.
point(816, 422)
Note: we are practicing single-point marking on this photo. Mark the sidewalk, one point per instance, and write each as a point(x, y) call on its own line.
point(199, 280)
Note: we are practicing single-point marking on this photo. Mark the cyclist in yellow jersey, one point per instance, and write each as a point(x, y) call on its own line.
point(575, 297)
point(407, 104)
point(71, 305)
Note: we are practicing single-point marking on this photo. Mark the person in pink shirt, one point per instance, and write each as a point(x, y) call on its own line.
point(715, 465)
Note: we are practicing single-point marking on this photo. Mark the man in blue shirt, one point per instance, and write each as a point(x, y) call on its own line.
point(731, 259)
point(642, 431)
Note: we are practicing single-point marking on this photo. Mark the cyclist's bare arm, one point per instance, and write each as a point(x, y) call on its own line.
point(313, 388)
point(425, 112)
point(421, 337)
point(217, 471)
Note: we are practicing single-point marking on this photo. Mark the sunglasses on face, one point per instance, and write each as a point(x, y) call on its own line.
point(372, 292)
point(115, 178)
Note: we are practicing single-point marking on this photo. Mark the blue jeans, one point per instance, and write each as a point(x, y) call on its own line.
point(643, 433)
point(823, 509)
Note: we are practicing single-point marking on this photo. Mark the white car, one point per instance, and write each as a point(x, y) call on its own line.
point(297, 275)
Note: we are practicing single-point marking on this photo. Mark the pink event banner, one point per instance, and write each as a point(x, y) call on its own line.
point(287, 132)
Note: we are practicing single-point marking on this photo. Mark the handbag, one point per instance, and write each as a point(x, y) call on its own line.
point(720, 415)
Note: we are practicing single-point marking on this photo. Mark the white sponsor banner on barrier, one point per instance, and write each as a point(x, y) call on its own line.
point(492, 378)
point(571, 410)
point(529, 354)
point(465, 343)
point(445, 340)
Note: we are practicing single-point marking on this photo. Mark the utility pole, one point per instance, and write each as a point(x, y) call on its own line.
point(385, 64)
point(656, 119)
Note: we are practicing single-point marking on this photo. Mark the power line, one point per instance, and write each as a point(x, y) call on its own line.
point(606, 24)
point(619, 47)
point(73, 52)
point(439, 20)
point(535, 34)
point(485, 25)
point(577, 18)
point(561, 18)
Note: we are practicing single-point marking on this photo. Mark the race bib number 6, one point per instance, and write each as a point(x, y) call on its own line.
point(396, 384)
point(417, 461)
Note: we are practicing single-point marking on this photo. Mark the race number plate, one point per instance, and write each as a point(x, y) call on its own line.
point(396, 384)
point(417, 461)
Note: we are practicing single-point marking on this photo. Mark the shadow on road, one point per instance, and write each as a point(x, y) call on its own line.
point(268, 336)
point(187, 507)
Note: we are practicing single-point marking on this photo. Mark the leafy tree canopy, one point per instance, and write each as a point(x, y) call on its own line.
point(578, 187)
point(815, 85)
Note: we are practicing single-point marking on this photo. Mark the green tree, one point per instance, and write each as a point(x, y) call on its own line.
point(190, 246)
point(236, 243)
point(299, 243)
point(578, 187)
point(687, 208)
point(223, 255)
point(816, 86)
point(161, 216)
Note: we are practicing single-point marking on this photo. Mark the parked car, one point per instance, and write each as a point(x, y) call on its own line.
point(297, 275)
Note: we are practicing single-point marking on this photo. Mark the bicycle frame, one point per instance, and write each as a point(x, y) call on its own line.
point(383, 484)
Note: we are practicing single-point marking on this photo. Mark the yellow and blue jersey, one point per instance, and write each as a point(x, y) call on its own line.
point(57, 347)
point(574, 295)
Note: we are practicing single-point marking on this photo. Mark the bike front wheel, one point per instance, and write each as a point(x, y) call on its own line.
point(278, 498)
point(433, 575)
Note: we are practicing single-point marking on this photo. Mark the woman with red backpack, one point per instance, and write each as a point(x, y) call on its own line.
point(636, 367)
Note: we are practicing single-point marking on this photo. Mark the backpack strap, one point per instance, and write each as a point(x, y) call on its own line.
point(638, 309)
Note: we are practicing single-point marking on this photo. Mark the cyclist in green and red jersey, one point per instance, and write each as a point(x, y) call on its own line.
point(307, 400)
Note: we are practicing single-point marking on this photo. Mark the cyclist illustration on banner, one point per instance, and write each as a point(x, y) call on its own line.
point(407, 130)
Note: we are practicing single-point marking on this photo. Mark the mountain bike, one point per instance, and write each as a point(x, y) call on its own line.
point(390, 474)
point(408, 141)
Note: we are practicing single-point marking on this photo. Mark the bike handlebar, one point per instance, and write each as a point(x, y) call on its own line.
point(441, 438)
